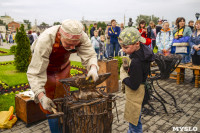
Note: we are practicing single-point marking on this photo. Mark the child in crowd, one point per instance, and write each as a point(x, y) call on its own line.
point(102, 48)
point(95, 40)
point(164, 39)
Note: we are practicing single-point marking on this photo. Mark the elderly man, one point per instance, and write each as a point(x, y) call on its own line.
point(50, 62)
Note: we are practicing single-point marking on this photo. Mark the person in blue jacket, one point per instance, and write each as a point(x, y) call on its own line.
point(194, 42)
point(114, 32)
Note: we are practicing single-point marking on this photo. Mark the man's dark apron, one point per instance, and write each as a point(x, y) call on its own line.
point(58, 68)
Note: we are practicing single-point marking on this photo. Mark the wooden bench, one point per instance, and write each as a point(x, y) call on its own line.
point(181, 73)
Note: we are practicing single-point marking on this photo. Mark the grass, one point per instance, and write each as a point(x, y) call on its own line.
point(6, 62)
point(75, 63)
point(10, 76)
point(6, 101)
point(5, 50)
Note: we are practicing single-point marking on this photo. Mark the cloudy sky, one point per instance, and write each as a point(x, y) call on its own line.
point(50, 11)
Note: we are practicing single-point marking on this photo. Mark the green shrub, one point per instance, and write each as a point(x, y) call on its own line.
point(23, 52)
point(119, 62)
point(13, 49)
point(4, 40)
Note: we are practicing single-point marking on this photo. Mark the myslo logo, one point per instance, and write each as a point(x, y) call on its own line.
point(186, 129)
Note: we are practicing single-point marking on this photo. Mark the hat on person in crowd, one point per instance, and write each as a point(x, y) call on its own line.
point(159, 20)
point(130, 36)
point(71, 29)
point(164, 20)
point(29, 32)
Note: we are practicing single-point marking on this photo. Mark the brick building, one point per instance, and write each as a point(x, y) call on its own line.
point(12, 26)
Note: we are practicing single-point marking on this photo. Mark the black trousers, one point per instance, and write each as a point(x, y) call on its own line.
point(153, 43)
point(196, 59)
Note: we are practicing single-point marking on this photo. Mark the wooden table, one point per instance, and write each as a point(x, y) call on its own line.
point(181, 73)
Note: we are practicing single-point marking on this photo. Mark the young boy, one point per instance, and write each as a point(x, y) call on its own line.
point(140, 57)
point(102, 48)
point(95, 40)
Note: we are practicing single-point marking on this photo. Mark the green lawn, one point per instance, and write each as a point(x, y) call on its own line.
point(6, 101)
point(11, 76)
point(76, 63)
point(5, 50)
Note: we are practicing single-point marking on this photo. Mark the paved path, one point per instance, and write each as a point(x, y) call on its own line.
point(187, 98)
point(8, 57)
point(73, 57)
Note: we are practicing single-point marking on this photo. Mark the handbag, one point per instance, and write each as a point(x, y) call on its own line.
point(180, 45)
point(148, 41)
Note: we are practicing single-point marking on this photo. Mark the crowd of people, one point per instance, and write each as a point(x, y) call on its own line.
point(32, 36)
point(111, 46)
point(10, 37)
point(182, 39)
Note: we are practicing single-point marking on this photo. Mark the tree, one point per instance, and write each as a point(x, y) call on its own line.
point(1, 22)
point(44, 24)
point(28, 23)
point(90, 27)
point(56, 23)
point(86, 29)
point(102, 25)
point(147, 19)
point(23, 52)
point(155, 19)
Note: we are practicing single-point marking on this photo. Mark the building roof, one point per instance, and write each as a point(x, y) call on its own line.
point(43, 27)
point(5, 16)
point(14, 22)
